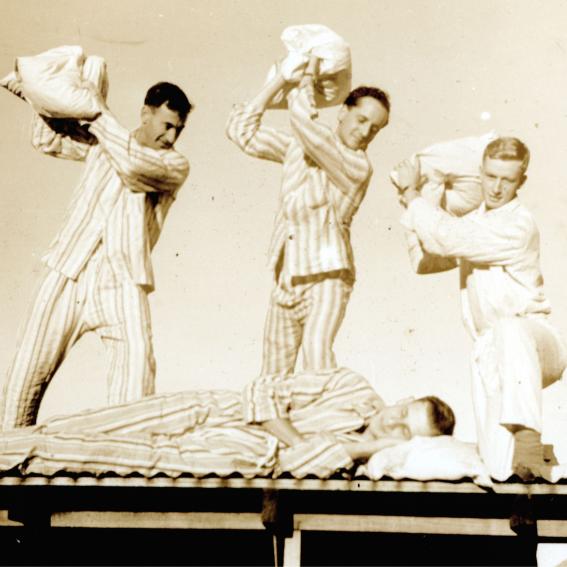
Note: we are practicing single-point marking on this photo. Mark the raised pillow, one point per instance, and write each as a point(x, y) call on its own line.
point(335, 70)
point(53, 82)
point(453, 173)
point(430, 458)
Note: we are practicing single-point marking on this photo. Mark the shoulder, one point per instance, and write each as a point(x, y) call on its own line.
point(521, 218)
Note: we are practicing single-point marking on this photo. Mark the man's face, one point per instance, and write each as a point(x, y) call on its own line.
point(500, 181)
point(160, 127)
point(402, 421)
point(359, 124)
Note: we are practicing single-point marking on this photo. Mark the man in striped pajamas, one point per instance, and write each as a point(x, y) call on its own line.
point(311, 423)
point(325, 178)
point(98, 268)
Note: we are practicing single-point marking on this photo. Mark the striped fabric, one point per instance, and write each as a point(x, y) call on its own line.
point(100, 263)
point(123, 197)
point(306, 316)
point(323, 184)
point(212, 432)
point(63, 310)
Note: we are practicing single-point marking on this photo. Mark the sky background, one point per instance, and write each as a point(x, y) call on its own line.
point(444, 63)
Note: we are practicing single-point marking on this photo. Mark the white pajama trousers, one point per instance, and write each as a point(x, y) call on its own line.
point(63, 310)
point(310, 323)
point(512, 362)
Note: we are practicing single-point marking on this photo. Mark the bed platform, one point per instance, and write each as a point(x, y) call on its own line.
point(286, 507)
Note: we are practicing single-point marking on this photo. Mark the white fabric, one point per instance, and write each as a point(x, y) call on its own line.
point(511, 363)
point(552, 555)
point(453, 173)
point(334, 67)
point(429, 458)
point(53, 82)
point(517, 351)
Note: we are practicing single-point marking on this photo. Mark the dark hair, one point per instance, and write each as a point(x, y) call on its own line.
point(441, 415)
point(171, 95)
point(508, 148)
point(374, 92)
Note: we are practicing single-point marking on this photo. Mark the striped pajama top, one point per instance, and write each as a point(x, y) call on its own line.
point(122, 198)
point(205, 432)
point(323, 185)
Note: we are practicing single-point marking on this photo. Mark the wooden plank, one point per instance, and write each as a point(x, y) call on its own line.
point(403, 524)
point(5, 521)
point(161, 520)
point(552, 528)
point(292, 550)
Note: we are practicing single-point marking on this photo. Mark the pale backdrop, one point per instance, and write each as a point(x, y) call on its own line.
point(446, 64)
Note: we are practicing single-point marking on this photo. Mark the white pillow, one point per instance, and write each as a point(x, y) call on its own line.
point(53, 82)
point(335, 68)
point(453, 173)
point(430, 458)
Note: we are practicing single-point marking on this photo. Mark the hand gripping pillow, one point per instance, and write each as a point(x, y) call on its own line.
point(452, 171)
point(53, 82)
point(335, 70)
point(430, 458)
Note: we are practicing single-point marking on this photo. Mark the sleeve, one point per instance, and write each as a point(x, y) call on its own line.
point(322, 455)
point(245, 129)
point(61, 137)
point(348, 170)
point(141, 168)
point(474, 238)
point(267, 397)
point(155, 220)
point(422, 262)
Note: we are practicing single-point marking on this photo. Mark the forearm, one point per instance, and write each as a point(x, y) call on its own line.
point(267, 92)
point(475, 238)
point(364, 449)
point(347, 171)
point(283, 429)
point(141, 167)
point(62, 138)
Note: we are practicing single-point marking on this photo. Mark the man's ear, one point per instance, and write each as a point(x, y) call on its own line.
point(524, 177)
point(145, 113)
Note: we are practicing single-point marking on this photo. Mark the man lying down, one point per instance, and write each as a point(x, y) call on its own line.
point(305, 424)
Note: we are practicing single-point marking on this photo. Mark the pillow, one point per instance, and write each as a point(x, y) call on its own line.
point(53, 82)
point(452, 171)
point(430, 458)
point(334, 81)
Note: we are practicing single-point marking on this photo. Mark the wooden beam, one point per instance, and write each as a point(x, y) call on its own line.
point(403, 524)
point(160, 520)
point(292, 550)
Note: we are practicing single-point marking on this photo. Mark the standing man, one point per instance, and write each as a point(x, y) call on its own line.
point(325, 178)
point(98, 268)
point(517, 352)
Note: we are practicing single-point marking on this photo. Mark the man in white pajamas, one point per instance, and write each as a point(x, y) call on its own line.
point(325, 178)
point(98, 268)
point(517, 352)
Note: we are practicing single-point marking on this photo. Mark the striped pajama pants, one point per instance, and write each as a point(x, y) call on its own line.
point(63, 310)
point(306, 317)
